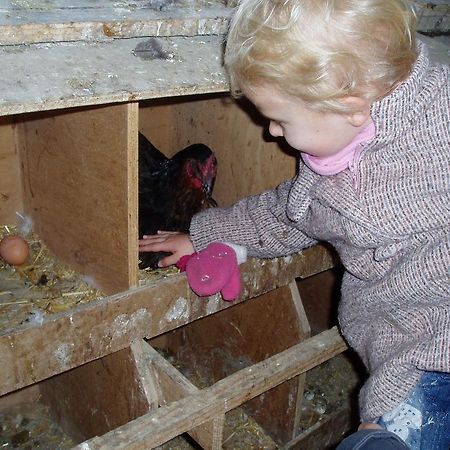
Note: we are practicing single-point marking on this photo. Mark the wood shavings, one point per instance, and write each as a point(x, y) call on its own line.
point(29, 426)
point(152, 276)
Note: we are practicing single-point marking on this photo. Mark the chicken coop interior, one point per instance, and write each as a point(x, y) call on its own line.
point(96, 352)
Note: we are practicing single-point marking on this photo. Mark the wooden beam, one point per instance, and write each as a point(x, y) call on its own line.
point(244, 335)
point(172, 385)
point(62, 341)
point(169, 421)
point(11, 196)
point(88, 22)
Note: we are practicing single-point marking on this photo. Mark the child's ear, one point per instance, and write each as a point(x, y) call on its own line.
point(360, 110)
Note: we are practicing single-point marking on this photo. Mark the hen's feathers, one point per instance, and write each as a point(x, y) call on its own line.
point(172, 190)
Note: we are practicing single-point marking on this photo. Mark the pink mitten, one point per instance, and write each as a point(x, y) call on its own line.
point(214, 269)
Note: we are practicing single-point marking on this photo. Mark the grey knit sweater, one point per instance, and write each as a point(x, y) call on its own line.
point(390, 227)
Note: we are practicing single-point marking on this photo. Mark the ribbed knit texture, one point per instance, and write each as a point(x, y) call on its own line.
point(391, 232)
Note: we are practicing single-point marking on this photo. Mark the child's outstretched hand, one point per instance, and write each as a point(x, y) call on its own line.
point(178, 244)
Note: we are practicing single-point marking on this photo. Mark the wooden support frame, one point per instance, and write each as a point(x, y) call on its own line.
point(244, 335)
point(66, 340)
point(80, 189)
point(196, 409)
point(170, 385)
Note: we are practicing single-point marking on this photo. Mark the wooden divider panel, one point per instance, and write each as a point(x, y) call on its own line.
point(10, 185)
point(237, 337)
point(80, 189)
point(97, 397)
point(159, 426)
point(163, 382)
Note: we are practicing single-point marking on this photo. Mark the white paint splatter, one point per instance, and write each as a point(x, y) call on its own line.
point(213, 303)
point(36, 316)
point(63, 354)
point(179, 310)
point(124, 323)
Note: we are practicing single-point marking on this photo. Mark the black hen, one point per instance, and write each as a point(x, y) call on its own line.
point(172, 190)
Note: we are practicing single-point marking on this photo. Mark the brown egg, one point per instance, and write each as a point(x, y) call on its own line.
point(14, 250)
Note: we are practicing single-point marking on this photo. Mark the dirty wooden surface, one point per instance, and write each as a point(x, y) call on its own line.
point(35, 351)
point(432, 16)
point(33, 21)
point(196, 409)
point(56, 55)
point(62, 75)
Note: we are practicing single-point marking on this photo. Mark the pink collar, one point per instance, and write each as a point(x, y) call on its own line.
point(345, 158)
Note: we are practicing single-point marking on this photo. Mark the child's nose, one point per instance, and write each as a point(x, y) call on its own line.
point(275, 130)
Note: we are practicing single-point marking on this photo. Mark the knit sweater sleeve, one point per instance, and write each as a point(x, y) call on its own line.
point(259, 223)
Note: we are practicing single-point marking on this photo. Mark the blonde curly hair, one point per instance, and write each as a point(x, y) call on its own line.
point(321, 51)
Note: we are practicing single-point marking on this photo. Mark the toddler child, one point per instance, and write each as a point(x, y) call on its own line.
point(346, 84)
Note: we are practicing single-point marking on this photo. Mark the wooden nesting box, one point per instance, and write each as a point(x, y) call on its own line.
point(69, 164)
point(75, 97)
point(73, 171)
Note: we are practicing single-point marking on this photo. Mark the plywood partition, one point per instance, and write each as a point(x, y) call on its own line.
point(237, 337)
point(10, 184)
point(80, 189)
point(248, 162)
point(97, 397)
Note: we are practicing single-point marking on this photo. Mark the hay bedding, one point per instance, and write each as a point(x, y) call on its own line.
point(30, 427)
point(41, 286)
point(44, 286)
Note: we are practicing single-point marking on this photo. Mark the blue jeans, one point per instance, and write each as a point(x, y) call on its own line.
point(422, 421)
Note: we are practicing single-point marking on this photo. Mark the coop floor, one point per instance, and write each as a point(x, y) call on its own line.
point(29, 427)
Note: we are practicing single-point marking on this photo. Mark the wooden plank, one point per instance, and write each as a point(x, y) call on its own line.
point(432, 16)
point(27, 395)
point(97, 397)
point(241, 336)
point(80, 175)
point(44, 76)
point(249, 162)
point(169, 421)
point(102, 20)
point(10, 180)
point(143, 360)
point(35, 351)
point(173, 385)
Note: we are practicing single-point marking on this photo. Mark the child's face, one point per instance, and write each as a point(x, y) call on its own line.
point(314, 132)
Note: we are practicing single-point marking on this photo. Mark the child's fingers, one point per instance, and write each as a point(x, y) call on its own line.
point(168, 261)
